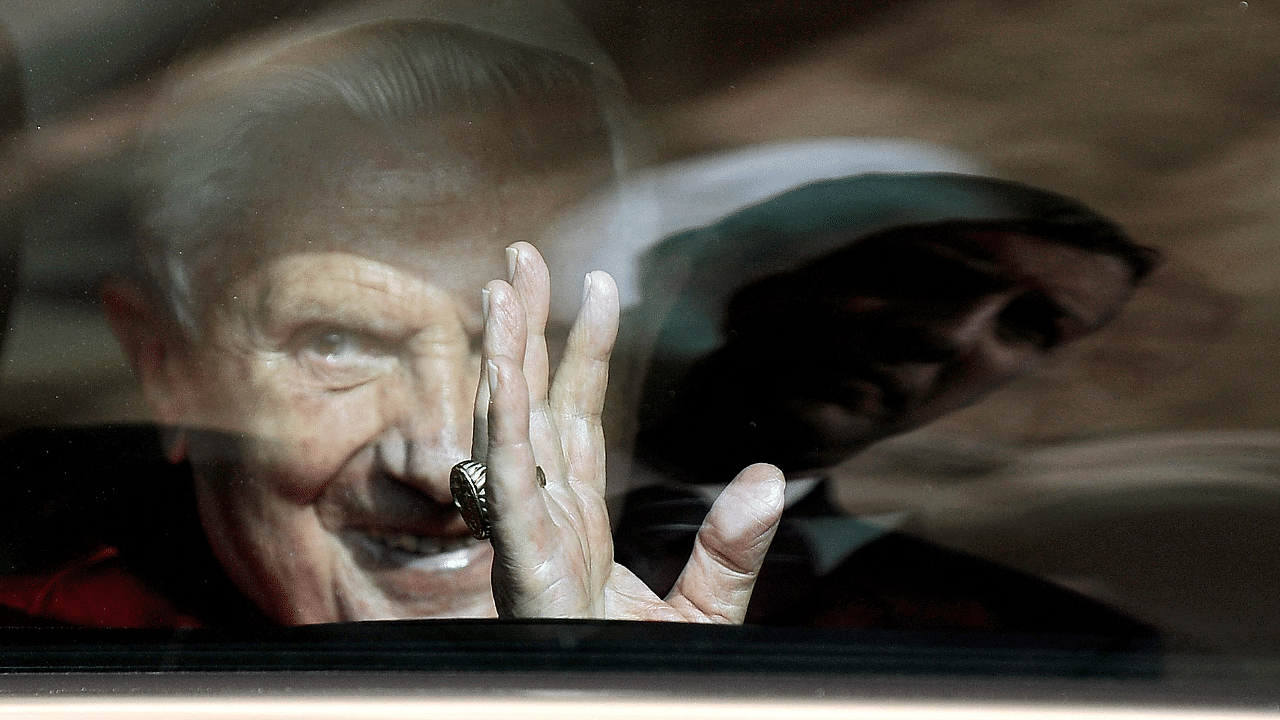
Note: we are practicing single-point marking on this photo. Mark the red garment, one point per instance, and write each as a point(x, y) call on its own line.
point(96, 590)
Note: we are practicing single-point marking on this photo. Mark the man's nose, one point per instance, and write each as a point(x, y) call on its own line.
point(971, 326)
point(977, 346)
point(430, 432)
point(944, 332)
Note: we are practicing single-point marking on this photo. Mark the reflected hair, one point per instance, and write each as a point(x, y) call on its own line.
point(691, 278)
point(229, 143)
point(1093, 234)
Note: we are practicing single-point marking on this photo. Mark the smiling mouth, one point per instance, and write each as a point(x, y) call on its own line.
point(420, 544)
point(391, 549)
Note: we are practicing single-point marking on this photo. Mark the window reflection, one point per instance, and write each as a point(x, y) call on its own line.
point(290, 340)
point(803, 328)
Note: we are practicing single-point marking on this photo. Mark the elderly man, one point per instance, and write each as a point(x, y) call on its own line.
point(315, 226)
point(801, 329)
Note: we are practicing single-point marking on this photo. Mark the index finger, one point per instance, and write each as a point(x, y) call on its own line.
point(504, 336)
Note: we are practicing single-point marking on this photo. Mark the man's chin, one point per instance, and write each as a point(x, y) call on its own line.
point(825, 434)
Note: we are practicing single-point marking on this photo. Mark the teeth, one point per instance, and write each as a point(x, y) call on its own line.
point(420, 544)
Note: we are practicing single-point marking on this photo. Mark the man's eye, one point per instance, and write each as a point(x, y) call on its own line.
point(340, 359)
point(336, 344)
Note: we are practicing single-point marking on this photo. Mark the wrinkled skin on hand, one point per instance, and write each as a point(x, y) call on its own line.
point(553, 551)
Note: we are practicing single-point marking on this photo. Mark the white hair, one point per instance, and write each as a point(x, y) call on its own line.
point(236, 138)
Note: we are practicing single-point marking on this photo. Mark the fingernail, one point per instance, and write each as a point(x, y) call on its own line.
point(484, 303)
point(586, 288)
point(491, 372)
point(513, 259)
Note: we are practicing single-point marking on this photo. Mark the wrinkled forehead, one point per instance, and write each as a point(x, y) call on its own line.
point(432, 205)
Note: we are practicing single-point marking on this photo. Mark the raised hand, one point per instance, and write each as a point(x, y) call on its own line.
point(553, 551)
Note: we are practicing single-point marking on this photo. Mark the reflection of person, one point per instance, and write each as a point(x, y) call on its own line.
point(849, 310)
point(845, 311)
point(309, 329)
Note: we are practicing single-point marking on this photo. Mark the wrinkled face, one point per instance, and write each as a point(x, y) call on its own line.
point(885, 337)
point(333, 391)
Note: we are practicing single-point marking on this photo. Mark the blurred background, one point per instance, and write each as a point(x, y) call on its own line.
point(1141, 466)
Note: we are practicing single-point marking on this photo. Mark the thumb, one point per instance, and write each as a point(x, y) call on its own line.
point(718, 579)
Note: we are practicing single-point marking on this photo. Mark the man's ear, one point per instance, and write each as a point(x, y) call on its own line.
point(152, 347)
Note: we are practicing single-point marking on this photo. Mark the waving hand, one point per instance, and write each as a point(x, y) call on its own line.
point(552, 545)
